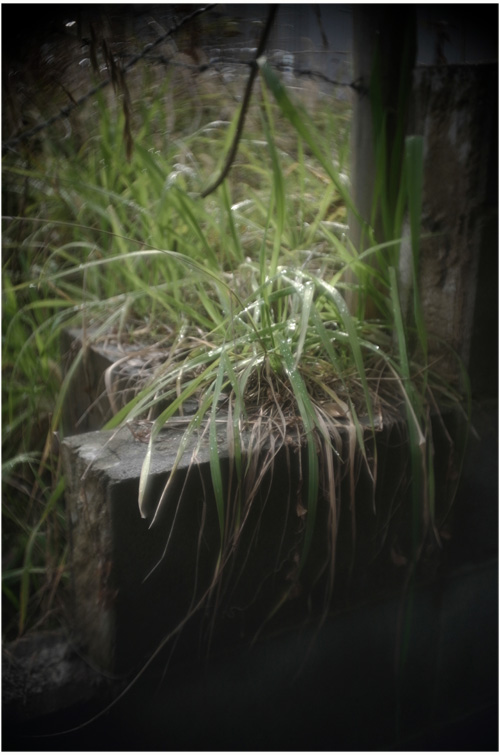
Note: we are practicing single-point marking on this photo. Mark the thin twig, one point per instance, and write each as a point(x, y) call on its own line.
point(246, 102)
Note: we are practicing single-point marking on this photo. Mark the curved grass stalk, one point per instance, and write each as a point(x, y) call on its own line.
point(301, 123)
point(308, 418)
point(158, 426)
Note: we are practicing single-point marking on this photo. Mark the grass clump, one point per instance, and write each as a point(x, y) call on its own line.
point(244, 290)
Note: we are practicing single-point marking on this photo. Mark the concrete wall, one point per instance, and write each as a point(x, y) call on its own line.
point(456, 113)
point(454, 108)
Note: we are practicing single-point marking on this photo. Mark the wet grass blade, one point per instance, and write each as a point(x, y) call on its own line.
point(299, 120)
point(237, 250)
point(416, 437)
point(158, 425)
point(306, 304)
point(354, 343)
point(308, 418)
point(278, 190)
point(349, 410)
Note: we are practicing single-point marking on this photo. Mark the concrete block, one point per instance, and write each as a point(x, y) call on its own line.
point(42, 674)
point(92, 400)
point(459, 247)
point(131, 590)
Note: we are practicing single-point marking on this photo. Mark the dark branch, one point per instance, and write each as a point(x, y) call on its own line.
point(246, 102)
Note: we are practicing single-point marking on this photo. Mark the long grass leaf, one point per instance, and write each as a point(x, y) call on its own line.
point(306, 301)
point(354, 343)
point(158, 425)
point(299, 121)
point(278, 192)
point(416, 436)
point(308, 417)
point(27, 570)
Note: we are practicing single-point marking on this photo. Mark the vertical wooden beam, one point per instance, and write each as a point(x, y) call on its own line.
point(390, 32)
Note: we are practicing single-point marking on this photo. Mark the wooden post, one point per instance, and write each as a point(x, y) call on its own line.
point(390, 32)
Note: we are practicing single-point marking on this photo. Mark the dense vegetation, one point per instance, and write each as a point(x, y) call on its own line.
point(106, 228)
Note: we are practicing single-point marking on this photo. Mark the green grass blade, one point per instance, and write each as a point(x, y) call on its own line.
point(298, 119)
point(308, 418)
point(28, 553)
point(416, 437)
point(307, 301)
point(158, 425)
point(237, 251)
point(278, 192)
point(354, 343)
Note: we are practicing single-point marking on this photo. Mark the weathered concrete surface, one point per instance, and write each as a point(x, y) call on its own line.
point(455, 109)
point(124, 606)
point(112, 549)
point(92, 401)
point(43, 674)
point(278, 694)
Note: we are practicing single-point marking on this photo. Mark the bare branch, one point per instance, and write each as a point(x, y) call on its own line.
point(246, 102)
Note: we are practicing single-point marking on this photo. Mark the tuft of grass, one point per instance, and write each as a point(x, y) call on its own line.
point(244, 289)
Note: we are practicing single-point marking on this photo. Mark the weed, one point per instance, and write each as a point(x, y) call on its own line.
point(245, 287)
